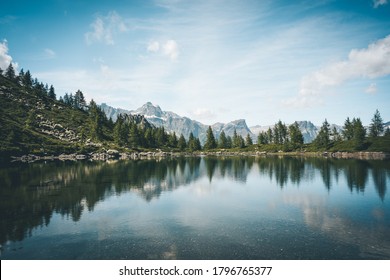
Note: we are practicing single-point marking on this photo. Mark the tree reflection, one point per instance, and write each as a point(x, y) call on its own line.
point(31, 194)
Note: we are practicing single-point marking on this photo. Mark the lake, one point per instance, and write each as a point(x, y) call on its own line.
point(196, 208)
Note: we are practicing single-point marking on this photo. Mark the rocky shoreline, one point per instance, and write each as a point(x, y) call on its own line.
point(116, 155)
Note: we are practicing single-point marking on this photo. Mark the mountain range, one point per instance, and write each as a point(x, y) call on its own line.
point(172, 122)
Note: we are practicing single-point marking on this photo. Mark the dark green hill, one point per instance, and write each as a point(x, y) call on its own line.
point(32, 122)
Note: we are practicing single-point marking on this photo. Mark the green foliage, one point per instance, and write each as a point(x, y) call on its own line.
point(222, 141)
point(182, 144)
point(248, 140)
point(376, 126)
point(322, 140)
point(359, 134)
point(193, 143)
point(295, 136)
point(237, 140)
point(210, 140)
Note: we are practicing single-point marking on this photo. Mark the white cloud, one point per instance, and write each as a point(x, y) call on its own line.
point(203, 114)
point(171, 49)
point(153, 46)
point(104, 28)
point(378, 3)
point(371, 62)
point(372, 89)
point(49, 53)
point(5, 58)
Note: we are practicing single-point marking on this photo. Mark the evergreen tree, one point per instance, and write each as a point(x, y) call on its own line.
point(161, 137)
point(387, 132)
point(197, 145)
point(96, 120)
point(336, 137)
point(191, 142)
point(149, 139)
point(229, 142)
point(66, 99)
point(376, 126)
point(27, 80)
point(222, 141)
point(270, 136)
point(172, 140)
point(10, 73)
point(280, 132)
point(276, 134)
point(52, 93)
point(323, 138)
point(210, 140)
point(134, 135)
point(248, 140)
point(359, 134)
point(262, 139)
point(182, 144)
point(295, 135)
point(347, 130)
point(20, 77)
point(238, 141)
point(121, 131)
point(79, 100)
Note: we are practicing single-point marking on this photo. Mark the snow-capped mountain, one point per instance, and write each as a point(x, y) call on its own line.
point(178, 124)
point(172, 122)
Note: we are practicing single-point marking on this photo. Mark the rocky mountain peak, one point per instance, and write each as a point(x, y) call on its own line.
point(148, 109)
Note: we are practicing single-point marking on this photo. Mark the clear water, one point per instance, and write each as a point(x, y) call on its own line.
point(196, 208)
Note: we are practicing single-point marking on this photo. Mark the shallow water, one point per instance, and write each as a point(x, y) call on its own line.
point(196, 208)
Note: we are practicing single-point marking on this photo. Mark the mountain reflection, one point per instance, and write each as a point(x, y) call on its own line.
point(30, 194)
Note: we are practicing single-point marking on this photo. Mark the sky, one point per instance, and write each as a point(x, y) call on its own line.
point(210, 60)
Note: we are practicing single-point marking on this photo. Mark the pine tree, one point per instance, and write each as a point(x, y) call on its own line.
point(95, 121)
point(182, 144)
point(359, 134)
point(323, 138)
point(238, 141)
point(248, 140)
point(134, 135)
point(10, 72)
point(27, 80)
point(387, 132)
point(270, 136)
point(295, 135)
point(222, 141)
point(79, 100)
point(121, 132)
point(172, 140)
point(376, 126)
point(52, 93)
point(336, 137)
point(210, 140)
point(229, 142)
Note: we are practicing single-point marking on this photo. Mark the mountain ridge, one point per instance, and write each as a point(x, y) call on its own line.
point(173, 122)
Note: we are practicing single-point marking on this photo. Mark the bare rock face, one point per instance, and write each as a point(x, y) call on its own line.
point(56, 130)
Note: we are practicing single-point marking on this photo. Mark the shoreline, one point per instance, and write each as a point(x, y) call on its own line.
point(116, 155)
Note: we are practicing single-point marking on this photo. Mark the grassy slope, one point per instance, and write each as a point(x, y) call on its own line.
point(18, 136)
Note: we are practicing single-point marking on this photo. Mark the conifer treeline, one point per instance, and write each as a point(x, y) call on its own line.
point(128, 133)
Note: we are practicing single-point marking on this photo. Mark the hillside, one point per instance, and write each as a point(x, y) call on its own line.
point(35, 123)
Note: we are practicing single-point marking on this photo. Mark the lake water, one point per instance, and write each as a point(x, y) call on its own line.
point(196, 208)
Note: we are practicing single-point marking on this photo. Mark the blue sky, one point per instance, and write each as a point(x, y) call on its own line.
point(213, 61)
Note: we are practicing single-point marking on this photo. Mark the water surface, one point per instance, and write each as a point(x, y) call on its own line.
point(196, 208)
